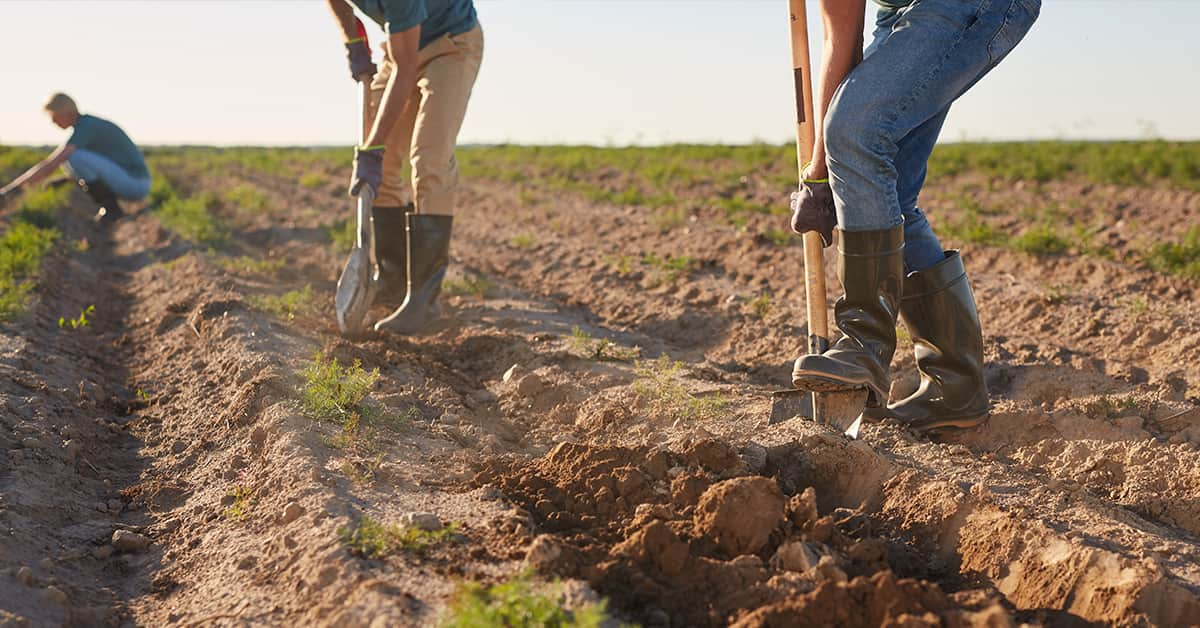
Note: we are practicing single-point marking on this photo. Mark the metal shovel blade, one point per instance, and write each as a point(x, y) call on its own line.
point(354, 290)
point(843, 410)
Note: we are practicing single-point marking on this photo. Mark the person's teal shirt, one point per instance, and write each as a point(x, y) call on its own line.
point(436, 17)
point(105, 138)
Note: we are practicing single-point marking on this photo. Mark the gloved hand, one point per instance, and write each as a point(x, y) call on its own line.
point(359, 55)
point(812, 209)
point(368, 169)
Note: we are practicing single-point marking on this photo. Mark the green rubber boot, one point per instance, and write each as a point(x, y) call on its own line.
point(428, 258)
point(871, 267)
point(939, 311)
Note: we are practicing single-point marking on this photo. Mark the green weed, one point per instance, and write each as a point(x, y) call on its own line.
point(600, 350)
point(1040, 240)
point(245, 264)
point(659, 387)
point(477, 285)
point(1178, 258)
point(334, 393)
point(524, 241)
point(287, 305)
point(620, 263)
point(22, 247)
point(39, 207)
point(343, 234)
point(760, 306)
point(519, 602)
point(779, 237)
point(193, 220)
point(667, 269)
point(372, 539)
point(79, 321)
point(313, 180)
point(239, 510)
point(246, 196)
point(669, 219)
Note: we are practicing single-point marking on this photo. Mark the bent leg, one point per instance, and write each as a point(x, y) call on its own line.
point(93, 167)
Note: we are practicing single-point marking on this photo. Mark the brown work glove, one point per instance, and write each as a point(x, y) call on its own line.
point(812, 209)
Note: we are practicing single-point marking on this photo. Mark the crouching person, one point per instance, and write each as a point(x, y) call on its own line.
point(99, 156)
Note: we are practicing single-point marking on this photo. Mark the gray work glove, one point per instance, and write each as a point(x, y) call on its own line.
point(368, 170)
point(359, 55)
point(812, 209)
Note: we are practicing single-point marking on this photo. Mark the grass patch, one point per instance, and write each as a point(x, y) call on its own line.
point(334, 393)
point(659, 387)
point(669, 219)
point(246, 196)
point(600, 350)
point(192, 219)
point(22, 247)
point(1040, 240)
point(477, 285)
point(1178, 258)
point(312, 180)
point(248, 265)
point(79, 321)
point(38, 208)
point(521, 601)
point(779, 237)
point(372, 539)
point(620, 263)
point(287, 305)
point(760, 306)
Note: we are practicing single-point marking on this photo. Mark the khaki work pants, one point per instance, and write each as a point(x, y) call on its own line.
point(426, 134)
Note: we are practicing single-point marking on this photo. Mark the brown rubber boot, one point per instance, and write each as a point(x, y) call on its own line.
point(871, 267)
point(428, 258)
point(939, 311)
point(391, 249)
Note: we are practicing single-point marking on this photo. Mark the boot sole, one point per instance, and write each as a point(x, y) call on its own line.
point(819, 381)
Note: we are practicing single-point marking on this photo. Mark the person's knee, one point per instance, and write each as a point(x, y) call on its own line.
point(853, 132)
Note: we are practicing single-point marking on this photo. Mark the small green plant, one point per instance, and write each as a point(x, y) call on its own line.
point(521, 601)
point(143, 396)
point(779, 237)
point(334, 393)
point(669, 219)
point(600, 350)
point(760, 306)
point(239, 510)
point(246, 196)
point(313, 180)
point(476, 285)
point(1040, 240)
point(1138, 304)
point(620, 263)
point(1179, 258)
point(659, 386)
point(287, 305)
point(80, 245)
point(666, 269)
point(79, 321)
point(372, 539)
point(343, 234)
point(524, 241)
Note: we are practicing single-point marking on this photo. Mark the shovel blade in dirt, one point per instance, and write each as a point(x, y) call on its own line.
point(359, 281)
point(843, 410)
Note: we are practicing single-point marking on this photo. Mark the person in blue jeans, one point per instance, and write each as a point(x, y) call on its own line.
point(99, 156)
point(883, 111)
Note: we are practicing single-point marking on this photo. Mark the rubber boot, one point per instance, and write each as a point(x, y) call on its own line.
point(110, 209)
point(428, 257)
point(939, 311)
point(391, 249)
point(871, 267)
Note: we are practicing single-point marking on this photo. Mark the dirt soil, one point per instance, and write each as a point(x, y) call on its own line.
point(155, 467)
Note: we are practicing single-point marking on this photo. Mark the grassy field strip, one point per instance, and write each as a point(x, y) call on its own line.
point(25, 241)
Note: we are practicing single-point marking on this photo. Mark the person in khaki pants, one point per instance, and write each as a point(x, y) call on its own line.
point(418, 100)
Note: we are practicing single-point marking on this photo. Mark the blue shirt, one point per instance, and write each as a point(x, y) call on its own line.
point(105, 138)
point(436, 17)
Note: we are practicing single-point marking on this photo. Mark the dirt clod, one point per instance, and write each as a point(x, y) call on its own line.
point(126, 541)
point(56, 595)
point(740, 514)
point(291, 512)
point(25, 576)
point(426, 521)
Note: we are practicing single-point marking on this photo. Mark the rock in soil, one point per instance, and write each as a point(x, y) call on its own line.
point(126, 541)
point(291, 512)
point(426, 521)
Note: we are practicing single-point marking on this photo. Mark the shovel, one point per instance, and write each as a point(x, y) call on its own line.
point(360, 278)
point(841, 410)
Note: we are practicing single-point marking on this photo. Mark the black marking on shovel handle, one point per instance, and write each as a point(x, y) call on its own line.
point(817, 344)
point(798, 80)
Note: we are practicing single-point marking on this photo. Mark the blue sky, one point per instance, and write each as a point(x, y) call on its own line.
point(580, 71)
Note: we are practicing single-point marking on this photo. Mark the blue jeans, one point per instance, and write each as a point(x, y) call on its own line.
point(91, 167)
point(886, 115)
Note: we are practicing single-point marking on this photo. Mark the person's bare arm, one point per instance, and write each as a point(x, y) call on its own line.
point(343, 14)
point(842, 49)
point(402, 51)
point(42, 169)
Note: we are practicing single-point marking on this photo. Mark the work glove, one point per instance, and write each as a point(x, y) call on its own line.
point(368, 169)
point(812, 209)
point(359, 55)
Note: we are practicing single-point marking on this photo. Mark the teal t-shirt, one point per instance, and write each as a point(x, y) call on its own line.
point(105, 138)
point(436, 17)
